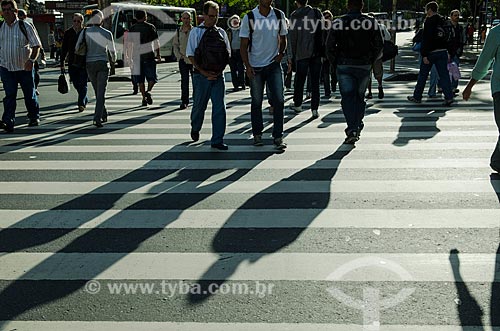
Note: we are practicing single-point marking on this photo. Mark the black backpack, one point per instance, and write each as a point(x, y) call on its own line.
point(211, 53)
point(444, 32)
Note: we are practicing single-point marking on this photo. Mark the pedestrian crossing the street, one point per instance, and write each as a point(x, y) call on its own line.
point(134, 227)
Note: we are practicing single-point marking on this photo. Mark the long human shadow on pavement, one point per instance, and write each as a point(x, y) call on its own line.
point(469, 311)
point(234, 249)
point(17, 293)
point(495, 285)
point(431, 117)
point(65, 134)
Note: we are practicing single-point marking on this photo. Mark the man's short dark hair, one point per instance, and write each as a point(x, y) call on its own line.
point(5, 3)
point(432, 6)
point(210, 4)
point(302, 2)
point(140, 14)
point(355, 4)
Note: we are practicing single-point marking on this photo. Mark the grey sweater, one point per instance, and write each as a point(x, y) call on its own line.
point(302, 34)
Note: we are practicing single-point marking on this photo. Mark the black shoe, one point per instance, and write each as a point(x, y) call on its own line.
point(148, 98)
point(104, 119)
point(221, 146)
point(136, 90)
point(5, 127)
point(448, 103)
point(351, 138)
point(411, 98)
point(183, 106)
point(97, 124)
point(34, 122)
point(369, 95)
point(144, 103)
point(195, 135)
point(380, 93)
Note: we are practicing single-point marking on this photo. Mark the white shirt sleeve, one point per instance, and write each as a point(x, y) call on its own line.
point(193, 41)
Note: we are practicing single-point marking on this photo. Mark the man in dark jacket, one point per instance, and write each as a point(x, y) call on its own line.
point(306, 41)
point(457, 42)
point(354, 43)
point(434, 52)
point(78, 75)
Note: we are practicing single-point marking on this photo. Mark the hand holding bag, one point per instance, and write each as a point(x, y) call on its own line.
point(62, 83)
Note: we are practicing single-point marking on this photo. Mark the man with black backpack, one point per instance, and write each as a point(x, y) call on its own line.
point(208, 49)
point(19, 48)
point(434, 52)
point(263, 43)
point(306, 37)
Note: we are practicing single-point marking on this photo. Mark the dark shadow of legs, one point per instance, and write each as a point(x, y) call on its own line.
point(234, 249)
point(495, 286)
point(469, 311)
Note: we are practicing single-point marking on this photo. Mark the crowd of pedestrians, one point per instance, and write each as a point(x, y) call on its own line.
point(261, 49)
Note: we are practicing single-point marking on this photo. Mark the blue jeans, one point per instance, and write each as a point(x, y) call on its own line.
point(185, 70)
point(10, 80)
point(495, 157)
point(440, 60)
point(79, 78)
point(313, 66)
point(284, 69)
point(273, 77)
point(433, 81)
point(353, 81)
point(214, 90)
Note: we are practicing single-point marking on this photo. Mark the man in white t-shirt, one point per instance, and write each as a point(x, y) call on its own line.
point(263, 43)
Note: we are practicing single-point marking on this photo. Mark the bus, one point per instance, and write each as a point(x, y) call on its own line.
point(119, 17)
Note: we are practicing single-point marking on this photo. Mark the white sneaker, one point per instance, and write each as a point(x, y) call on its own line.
point(315, 113)
point(296, 109)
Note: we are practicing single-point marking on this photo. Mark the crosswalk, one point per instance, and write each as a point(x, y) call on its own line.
point(133, 227)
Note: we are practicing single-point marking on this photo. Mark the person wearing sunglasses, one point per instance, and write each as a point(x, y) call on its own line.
point(77, 74)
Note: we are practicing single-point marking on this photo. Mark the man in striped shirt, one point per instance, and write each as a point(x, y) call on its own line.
point(19, 47)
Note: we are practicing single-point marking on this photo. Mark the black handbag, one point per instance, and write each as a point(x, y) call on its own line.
point(390, 50)
point(80, 57)
point(62, 83)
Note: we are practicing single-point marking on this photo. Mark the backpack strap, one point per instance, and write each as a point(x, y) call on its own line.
point(22, 27)
point(251, 20)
